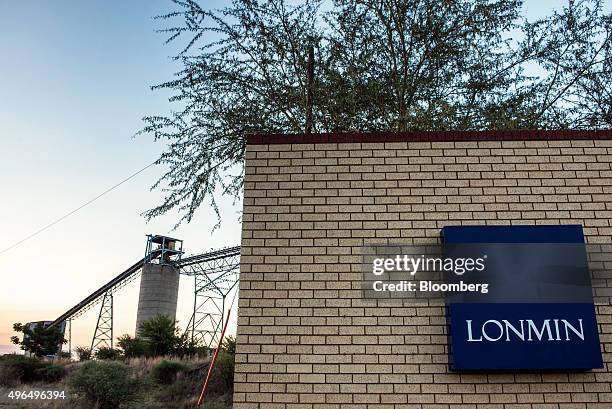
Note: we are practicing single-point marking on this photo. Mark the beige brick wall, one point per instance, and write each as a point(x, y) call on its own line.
point(306, 338)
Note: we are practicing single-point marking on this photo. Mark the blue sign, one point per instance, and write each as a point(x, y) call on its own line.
point(539, 312)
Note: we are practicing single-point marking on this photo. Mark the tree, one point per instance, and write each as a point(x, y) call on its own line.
point(39, 339)
point(379, 65)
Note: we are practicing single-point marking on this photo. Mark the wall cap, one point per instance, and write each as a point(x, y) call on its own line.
point(430, 136)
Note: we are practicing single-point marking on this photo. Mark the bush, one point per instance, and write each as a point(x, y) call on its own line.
point(84, 353)
point(216, 405)
point(106, 383)
point(50, 373)
point(161, 334)
point(16, 369)
point(165, 371)
point(223, 374)
point(229, 344)
point(185, 346)
point(22, 368)
point(133, 347)
point(177, 392)
point(9, 376)
point(107, 353)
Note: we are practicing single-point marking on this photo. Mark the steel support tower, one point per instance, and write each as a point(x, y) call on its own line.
point(103, 335)
point(215, 278)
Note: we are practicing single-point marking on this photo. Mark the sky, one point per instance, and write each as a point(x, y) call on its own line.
point(74, 85)
point(75, 82)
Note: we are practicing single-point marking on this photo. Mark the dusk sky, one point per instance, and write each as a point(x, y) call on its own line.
point(75, 80)
point(74, 84)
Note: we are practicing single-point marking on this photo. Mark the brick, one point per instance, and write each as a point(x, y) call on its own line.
point(306, 338)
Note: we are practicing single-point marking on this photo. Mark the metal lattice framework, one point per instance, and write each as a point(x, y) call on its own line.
point(215, 277)
point(103, 335)
point(215, 274)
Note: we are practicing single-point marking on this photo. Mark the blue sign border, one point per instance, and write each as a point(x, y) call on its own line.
point(520, 356)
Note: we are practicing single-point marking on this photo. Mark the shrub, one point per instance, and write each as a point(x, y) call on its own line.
point(133, 347)
point(84, 353)
point(107, 353)
point(185, 346)
point(165, 371)
point(223, 373)
point(50, 373)
point(162, 336)
point(229, 344)
point(21, 367)
point(18, 368)
point(177, 391)
point(106, 383)
point(216, 405)
point(9, 376)
point(161, 333)
point(202, 352)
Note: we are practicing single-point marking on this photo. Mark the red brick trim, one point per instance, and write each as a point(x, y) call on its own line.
point(433, 136)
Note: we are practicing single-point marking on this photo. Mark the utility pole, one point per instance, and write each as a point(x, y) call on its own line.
point(70, 338)
point(309, 88)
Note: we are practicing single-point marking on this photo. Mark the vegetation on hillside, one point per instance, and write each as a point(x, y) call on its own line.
point(159, 336)
point(143, 383)
point(158, 369)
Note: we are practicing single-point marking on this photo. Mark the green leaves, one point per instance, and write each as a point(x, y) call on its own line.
point(107, 384)
point(38, 339)
point(159, 336)
point(379, 66)
point(160, 333)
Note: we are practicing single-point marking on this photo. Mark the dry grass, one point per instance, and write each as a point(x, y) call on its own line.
point(142, 366)
point(180, 395)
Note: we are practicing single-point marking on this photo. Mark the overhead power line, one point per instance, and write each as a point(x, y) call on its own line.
point(56, 221)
